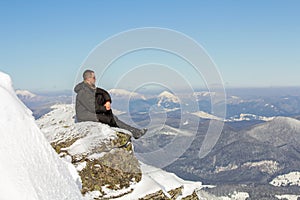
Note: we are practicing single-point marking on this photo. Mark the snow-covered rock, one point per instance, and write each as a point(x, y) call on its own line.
point(155, 180)
point(29, 167)
point(107, 171)
point(102, 155)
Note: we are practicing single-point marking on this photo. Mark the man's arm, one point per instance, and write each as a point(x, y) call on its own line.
point(86, 101)
point(103, 101)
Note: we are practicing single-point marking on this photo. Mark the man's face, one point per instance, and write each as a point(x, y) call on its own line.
point(92, 79)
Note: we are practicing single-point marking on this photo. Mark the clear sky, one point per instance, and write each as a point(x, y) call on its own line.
point(253, 43)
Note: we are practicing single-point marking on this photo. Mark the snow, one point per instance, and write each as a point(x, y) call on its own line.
point(237, 196)
point(25, 94)
point(167, 95)
point(155, 179)
point(274, 129)
point(125, 93)
point(96, 136)
point(265, 166)
point(167, 130)
point(293, 123)
point(30, 168)
point(292, 178)
point(233, 196)
point(204, 94)
point(205, 115)
point(288, 197)
point(185, 123)
point(60, 123)
point(249, 117)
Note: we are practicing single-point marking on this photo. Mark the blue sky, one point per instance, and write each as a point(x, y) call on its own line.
point(253, 43)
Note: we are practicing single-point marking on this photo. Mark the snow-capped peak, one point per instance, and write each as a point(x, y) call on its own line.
point(125, 93)
point(168, 101)
point(169, 96)
point(25, 94)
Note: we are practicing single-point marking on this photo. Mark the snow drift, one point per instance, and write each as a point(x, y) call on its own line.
point(30, 168)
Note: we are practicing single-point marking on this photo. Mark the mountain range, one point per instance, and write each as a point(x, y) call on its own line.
point(258, 144)
point(240, 107)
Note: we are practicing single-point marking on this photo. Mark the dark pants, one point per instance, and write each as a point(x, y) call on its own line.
point(136, 133)
point(113, 121)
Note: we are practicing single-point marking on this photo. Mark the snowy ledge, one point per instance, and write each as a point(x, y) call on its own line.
point(91, 148)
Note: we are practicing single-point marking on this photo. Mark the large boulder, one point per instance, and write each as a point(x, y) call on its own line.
point(103, 156)
point(105, 161)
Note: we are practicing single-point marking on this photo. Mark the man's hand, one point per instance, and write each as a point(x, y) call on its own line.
point(107, 105)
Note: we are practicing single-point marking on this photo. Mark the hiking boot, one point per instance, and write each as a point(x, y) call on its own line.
point(140, 133)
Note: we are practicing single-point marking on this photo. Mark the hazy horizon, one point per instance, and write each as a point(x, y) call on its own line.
point(243, 91)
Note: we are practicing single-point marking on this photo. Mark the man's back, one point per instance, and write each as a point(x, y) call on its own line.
point(85, 103)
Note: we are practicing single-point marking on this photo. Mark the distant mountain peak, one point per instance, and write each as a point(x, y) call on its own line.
point(279, 132)
point(168, 101)
point(25, 94)
point(125, 93)
point(169, 96)
point(291, 122)
point(205, 115)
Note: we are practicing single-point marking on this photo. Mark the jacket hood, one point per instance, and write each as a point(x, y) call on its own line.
point(79, 87)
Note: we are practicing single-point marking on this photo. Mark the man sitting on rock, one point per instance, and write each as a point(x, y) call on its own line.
point(94, 104)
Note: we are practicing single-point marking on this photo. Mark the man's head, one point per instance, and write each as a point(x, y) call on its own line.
point(89, 77)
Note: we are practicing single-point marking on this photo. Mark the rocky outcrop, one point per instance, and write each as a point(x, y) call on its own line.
point(111, 165)
point(105, 162)
point(103, 157)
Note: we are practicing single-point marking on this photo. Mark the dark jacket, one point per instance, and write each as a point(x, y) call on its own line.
point(103, 115)
point(85, 103)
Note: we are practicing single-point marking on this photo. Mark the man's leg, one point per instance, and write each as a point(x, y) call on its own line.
point(136, 133)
